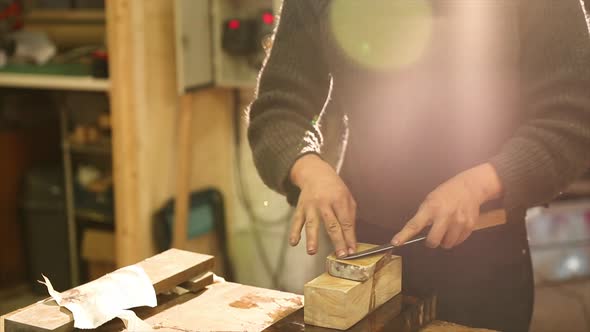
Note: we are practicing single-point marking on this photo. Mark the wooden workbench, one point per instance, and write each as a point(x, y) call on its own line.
point(230, 306)
point(235, 307)
point(191, 299)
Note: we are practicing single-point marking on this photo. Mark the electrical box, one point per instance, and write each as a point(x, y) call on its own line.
point(194, 53)
point(256, 20)
point(221, 42)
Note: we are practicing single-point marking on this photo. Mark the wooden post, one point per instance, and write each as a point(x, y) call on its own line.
point(144, 107)
point(183, 171)
point(146, 124)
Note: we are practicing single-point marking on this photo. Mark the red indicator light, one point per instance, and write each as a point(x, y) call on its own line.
point(234, 24)
point(268, 18)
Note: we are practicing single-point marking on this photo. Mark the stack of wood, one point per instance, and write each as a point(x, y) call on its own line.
point(167, 271)
point(350, 290)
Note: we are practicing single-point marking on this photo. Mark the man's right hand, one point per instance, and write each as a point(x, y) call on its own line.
point(324, 198)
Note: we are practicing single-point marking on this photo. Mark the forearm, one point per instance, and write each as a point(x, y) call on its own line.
point(484, 181)
point(291, 92)
point(552, 147)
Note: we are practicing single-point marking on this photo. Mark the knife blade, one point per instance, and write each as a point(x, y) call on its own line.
point(486, 220)
point(379, 249)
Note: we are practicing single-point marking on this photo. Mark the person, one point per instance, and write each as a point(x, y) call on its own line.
point(383, 119)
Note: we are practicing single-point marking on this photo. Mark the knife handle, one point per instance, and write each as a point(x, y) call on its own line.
point(490, 219)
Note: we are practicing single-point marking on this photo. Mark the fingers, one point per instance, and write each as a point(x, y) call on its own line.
point(346, 213)
point(412, 228)
point(296, 226)
point(460, 228)
point(453, 232)
point(437, 233)
point(466, 233)
point(312, 226)
point(334, 231)
point(468, 229)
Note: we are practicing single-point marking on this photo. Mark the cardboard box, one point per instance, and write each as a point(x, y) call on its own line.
point(98, 249)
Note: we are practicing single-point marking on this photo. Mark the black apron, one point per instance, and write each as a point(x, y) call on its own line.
point(421, 122)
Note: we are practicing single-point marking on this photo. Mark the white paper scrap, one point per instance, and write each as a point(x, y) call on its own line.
point(103, 299)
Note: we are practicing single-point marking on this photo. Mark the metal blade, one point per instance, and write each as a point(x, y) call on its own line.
point(379, 249)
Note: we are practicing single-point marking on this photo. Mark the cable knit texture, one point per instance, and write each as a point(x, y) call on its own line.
point(292, 89)
point(552, 147)
point(294, 113)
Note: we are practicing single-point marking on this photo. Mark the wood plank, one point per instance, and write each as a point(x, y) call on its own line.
point(3, 317)
point(166, 271)
point(43, 316)
point(227, 306)
point(57, 15)
point(70, 34)
point(339, 303)
point(122, 37)
point(198, 283)
point(54, 82)
point(144, 109)
point(183, 172)
point(360, 269)
point(173, 267)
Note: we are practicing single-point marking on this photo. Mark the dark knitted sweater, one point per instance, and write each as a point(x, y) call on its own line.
point(459, 84)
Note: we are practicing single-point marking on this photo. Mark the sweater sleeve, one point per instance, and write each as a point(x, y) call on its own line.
point(292, 89)
point(552, 147)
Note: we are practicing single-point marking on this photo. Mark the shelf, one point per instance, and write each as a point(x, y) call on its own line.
point(53, 82)
point(94, 216)
point(96, 149)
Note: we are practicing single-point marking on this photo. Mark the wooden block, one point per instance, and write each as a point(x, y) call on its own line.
point(173, 267)
point(360, 269)
point(400, 314)
point(373, 322)
point(197, 283)
point(44, 316)
point(340, 303)
point(387, 279)
point(336, 303)
point(165, 270)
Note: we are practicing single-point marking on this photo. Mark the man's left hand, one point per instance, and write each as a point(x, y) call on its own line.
point(453, 208)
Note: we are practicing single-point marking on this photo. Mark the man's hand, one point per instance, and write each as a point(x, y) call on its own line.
point(324, 198)
point(453, 208)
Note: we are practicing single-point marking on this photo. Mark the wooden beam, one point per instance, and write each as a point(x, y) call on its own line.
point(199, 282)
point(144, 106)
point(183, 174)
point(123, 113)
point(173, 267)
point(67, 15)
point(166, 271)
